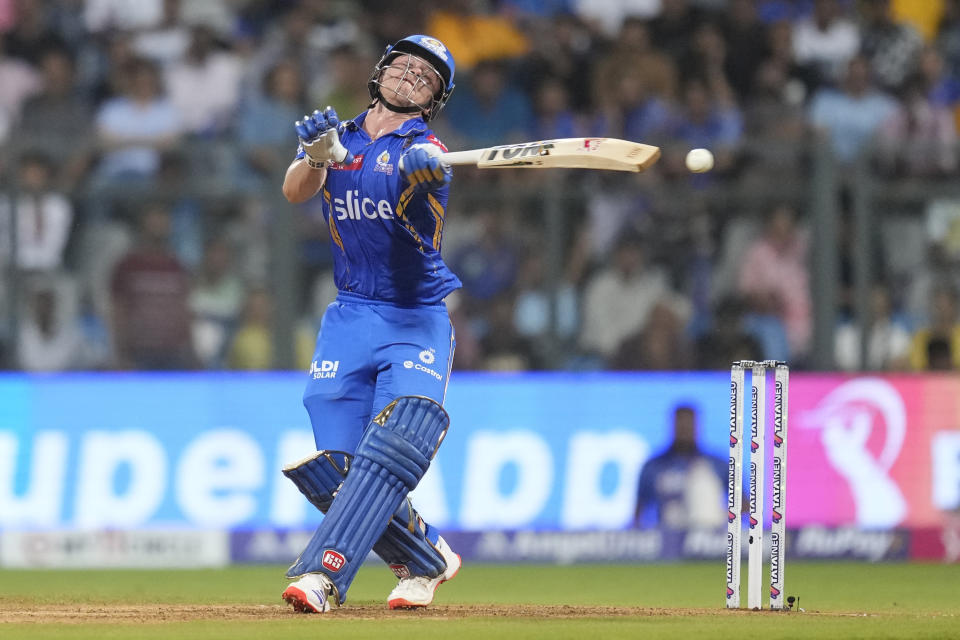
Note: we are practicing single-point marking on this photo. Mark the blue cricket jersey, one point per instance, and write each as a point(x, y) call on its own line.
point(386, 237)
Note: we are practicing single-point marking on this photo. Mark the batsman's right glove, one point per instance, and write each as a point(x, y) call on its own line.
point(319, 139)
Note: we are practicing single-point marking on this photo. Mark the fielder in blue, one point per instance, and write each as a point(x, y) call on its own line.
point(386, 344)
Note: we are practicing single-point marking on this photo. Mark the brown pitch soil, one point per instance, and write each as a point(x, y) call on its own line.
point(13, 612)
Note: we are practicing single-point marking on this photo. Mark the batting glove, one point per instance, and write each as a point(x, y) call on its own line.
point(424, 169)
point(319, 139)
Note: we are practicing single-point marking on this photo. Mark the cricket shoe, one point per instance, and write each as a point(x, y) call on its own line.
point(311, 593)
point(417, 591)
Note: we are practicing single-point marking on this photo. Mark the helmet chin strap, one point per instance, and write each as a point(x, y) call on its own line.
point(395, 108)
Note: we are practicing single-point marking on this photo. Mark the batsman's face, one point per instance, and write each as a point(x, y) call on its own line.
point(410, 80)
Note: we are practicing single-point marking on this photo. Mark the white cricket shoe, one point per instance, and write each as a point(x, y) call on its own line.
point(417, 591)
point(311, 593)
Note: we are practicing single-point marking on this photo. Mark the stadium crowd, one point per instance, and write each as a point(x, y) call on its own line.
point(112, 111)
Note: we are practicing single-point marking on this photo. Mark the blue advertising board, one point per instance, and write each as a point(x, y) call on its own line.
point(204, 450)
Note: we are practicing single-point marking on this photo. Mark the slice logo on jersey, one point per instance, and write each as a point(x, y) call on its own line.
point(400, 570)
point(333, 560)
point(353, 166)
point(325, 369)
point(353, 207)
point(428, 356)
point(383, 164)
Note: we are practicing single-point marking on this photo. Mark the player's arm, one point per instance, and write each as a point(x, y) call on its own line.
point(302, 181)
point(320, 145)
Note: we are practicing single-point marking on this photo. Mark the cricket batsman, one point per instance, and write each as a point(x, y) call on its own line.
point(385, 347)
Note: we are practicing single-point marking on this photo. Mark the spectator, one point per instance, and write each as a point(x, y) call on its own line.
point(661, 345)
point(19, 81)
point(33, 33)
point(342, 91)
point(204, 86)
point(503, 347)
point(673, 28)
point(216, 298)
point(134, 128)
point(851, 116)
point(44, 217)
point(920, 138)
point(888, 340)
point(541, 311)
point(487, 110)
point(553, 117)
point(168, 40)
point(708, 118)
point(634, 51)
point(562, 48)
point(948, 36)
point(487, 266)
point(618, 300)
point(775, 114)
point(774, 279)
point(60, 111)
point(940, 86)
point(825, 41)
point(475, 35)
point(103, 15)
point(307, 32)
point(891, 47)
point(629, 111)
point(607, 17)
point(252, 346)
point(281, 100)
point(707, 58)
point(925, 17)
point(682, 487)
point(727, 340)
point(51, 337)
point(747, 43)
point(150, 291)
point(936, 346)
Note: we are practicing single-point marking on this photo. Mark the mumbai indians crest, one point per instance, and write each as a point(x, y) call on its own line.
point(435, 46)
point(383, 164)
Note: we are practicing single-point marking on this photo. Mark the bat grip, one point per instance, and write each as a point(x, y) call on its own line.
point(463, 157)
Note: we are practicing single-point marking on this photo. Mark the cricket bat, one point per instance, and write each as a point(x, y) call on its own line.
point(564, 153)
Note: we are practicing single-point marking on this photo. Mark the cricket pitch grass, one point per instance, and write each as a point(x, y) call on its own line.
point(842, 600)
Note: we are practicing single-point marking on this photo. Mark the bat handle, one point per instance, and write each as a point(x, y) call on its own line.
point(460, 157)
point(463, 157)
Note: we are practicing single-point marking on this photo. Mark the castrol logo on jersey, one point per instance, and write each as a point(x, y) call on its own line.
point(353, 207)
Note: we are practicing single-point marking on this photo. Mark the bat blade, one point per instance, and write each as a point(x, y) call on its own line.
point(564, 153)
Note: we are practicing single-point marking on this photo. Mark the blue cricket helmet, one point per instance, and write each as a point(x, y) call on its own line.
point(434, 52)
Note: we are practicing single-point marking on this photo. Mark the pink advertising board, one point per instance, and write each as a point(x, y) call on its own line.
point(873, 452)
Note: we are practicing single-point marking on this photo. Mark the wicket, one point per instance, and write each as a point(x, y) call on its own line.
point(758, 375)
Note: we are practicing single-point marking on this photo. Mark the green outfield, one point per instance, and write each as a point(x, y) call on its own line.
point(592, 602)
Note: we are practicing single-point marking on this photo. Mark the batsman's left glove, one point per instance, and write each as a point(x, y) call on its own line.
point(319, 139)
point(422, 167)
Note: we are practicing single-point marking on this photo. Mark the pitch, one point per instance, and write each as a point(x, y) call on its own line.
point(841, 601)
